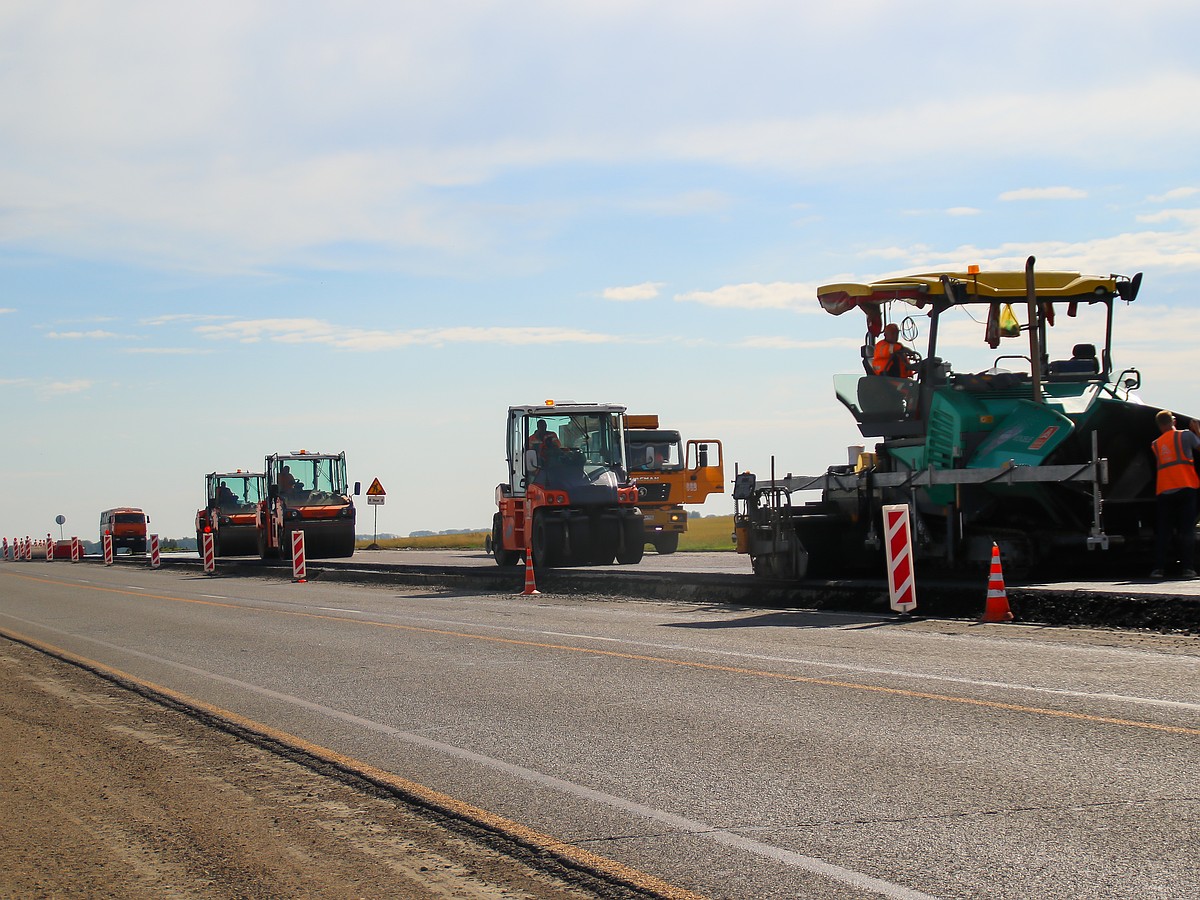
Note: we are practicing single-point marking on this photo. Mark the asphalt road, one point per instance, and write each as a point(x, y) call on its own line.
point(736, 752)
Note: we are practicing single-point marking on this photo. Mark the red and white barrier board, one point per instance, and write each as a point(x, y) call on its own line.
point(155, 557)
point(28, 547)
point(4, 547)
point(897, 539)
point(49, 549)
point(76, 549)
point(299, 570)
point(108, 549)
point(208, 553)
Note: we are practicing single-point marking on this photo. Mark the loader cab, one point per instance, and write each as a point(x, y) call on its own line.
point(565, 446)
point(654, 451)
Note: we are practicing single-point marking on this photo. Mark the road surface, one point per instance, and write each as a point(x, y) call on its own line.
point(732, 752)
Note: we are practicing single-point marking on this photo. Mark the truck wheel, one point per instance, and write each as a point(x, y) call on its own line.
point(666, 543)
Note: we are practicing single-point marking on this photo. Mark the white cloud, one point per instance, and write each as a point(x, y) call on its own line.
point(167, 351)
point(773, 342)
point(1174, 194)
point(962, 211)
point(647, 290)
point(318, 331)
point(58, 388)
point(183, 319)
point(6, 309)
point(777, 295)
point(97, 335)
point(1049, 193)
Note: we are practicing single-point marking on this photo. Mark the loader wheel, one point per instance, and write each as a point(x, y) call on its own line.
point(666, 544)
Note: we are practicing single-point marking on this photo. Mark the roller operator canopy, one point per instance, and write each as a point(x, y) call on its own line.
point(956, 288)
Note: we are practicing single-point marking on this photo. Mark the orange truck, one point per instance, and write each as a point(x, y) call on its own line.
point(669, 475)
point(307, 492)
point(127, 527)
point(230, 512)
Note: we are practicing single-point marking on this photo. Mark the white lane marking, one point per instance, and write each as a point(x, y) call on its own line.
point(338, 609)
point(841, 667)
point(214, 596)
point(682, 823)
point(134, 587)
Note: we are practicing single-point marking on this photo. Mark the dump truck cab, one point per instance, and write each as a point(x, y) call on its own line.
point(567, 496)
point(1032, 439)
point(230, 512)
point(126, 525)
point(307, 491)
point(669, 474)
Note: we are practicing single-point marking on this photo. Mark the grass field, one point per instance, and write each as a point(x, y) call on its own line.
point(711, 533)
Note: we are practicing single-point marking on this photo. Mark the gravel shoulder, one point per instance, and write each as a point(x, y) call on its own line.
point(104, 793)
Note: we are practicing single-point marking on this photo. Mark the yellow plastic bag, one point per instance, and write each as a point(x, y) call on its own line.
point(1009, 326)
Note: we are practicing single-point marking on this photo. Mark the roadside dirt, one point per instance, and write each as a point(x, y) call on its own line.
point(106, 794)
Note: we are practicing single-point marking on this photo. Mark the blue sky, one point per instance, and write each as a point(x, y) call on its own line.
point(231, 229)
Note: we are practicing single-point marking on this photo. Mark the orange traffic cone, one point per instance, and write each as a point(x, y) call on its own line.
point(997, 609)
point(530, 584)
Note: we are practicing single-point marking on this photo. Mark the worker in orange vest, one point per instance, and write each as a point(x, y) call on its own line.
point(1175, 493)
point(891, 357)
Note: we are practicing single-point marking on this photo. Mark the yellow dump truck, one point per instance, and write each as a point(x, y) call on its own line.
point(669, 474)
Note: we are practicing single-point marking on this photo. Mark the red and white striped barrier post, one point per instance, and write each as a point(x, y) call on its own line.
point(155, 557)
point(299, 570)
point(208, 553)
point(897, 538)
point(106, 541)
point(530, 582)
point(5, 547)
point(76, 549)
point(49, 548)
point(28, 548)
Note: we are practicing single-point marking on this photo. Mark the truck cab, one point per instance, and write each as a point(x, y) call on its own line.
point(669, 474)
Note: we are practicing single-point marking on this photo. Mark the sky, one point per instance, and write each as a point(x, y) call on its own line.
point(232, 229)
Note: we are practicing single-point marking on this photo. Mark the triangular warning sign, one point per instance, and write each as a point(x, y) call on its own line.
point(376, 489)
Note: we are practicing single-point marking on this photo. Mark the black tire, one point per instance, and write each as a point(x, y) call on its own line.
point(606, 541)
point(666, 543)
point(503, 557)
point(633, 542)
point(547, 541)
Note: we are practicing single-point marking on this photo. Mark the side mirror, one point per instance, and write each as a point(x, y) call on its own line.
point(273, 491)
point(357, 488)
point(702, 456)
point(531, 459)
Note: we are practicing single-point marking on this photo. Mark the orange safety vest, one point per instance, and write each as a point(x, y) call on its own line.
point(883, 362)
point(1175, 469)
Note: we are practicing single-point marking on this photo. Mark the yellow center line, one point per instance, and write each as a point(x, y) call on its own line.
point(662, 660)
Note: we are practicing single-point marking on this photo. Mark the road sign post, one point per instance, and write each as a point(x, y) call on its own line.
point(375, 497)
